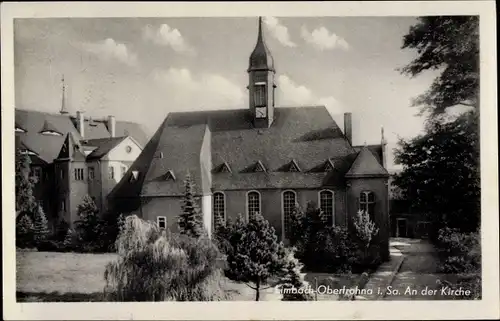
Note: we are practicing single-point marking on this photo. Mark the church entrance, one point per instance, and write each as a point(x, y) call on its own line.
point(401, 227)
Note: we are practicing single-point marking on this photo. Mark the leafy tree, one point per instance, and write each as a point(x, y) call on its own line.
point(449, 44)
point(25, 200)
point(441, 173)
point(190, 221)
point(24, 232)
point(41, 227)
point(257, 258)
point(365, 228)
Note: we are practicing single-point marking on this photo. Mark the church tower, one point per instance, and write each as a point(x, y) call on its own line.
point(261, 83)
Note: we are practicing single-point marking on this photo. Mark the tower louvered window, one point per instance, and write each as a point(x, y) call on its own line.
point(260, 95)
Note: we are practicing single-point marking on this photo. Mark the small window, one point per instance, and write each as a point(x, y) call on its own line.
point(367, 203)
point(260, 95)
point(111, 172)
point(50, 133)
point(79, 174)
point(124, 170)
point(20, 130)
point(259, 167)
point(91, 173)
point(162, 222)
point(37, 172)
point(253, 203)
point(61, 173)
point(63, 205)
point(169, 176)
point(134, 176)
point(329, 166)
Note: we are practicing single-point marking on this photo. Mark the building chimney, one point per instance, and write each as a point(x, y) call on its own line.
point(112, 125)
point(80, 123)
point(348, 126)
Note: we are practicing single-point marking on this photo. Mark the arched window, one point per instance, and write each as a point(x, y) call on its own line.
point(326, 204)
point(253, 203)
point(288, 204)
point(219, 209)
point(367, 203)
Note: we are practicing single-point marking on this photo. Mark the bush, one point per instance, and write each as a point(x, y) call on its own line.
point(40, 226)
point(154, 265)
point(320, 247)
point(24, 232)
point(368, 253)
point(90, 228)
point(459, 252)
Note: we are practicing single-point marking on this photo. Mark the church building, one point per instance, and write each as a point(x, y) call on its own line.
point(262, 159)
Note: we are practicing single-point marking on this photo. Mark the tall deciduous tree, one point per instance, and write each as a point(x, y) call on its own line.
point(441, 173)
point(449, 44)
point(190, 221)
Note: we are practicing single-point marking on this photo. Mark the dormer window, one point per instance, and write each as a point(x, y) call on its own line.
point(169, 176)
point(259, 167)
point(134, 176)
point(50, 133)
point(20, 130)
point(224, 168)
point(27, 152)
point(49, 129)
point(294, 167)
point(260, 96)
point(329, 166)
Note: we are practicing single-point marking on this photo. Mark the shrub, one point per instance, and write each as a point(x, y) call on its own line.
point(320, 247)
point(70, 240)
point(61, 230)
point(368, 254)
point(459, 252)
point(24, 232)
point(294, 279)
point(154, 265)
point(90, 228)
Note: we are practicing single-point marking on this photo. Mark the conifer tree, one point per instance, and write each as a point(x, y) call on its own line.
point(41, 228)
point(190, 221)
point(294, 280)
point(69, 239)
point(24, 232)
point(89, 225)
point(25, 200)
point(256, 258)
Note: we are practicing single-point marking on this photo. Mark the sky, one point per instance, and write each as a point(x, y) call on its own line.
point(140, 69)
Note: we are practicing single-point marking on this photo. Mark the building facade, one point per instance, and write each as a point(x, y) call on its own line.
point(263, 159)
point(73, 156)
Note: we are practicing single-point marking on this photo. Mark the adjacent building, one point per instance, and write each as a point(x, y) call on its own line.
point(73, 156)
point(262, 159)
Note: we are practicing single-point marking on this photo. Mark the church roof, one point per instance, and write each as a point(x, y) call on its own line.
point(49, 146)
point(366, 165)
point(261, 58)
point(307, 136)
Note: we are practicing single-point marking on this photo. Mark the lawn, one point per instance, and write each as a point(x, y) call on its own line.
point(75, 277)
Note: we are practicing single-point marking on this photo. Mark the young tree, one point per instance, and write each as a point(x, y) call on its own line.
point(24, 231)
point(25, 200)
point(450, 43)
point(89, 226)
point(257, 258)
point(41, 227)
point(190, 221)
point(441, 174)
point(365, 230)
point(69, 239)
point(293, 279)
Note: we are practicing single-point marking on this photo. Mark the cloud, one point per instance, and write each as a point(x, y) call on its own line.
point(295, 94)
point(279, 31)
point(322, 39)
point(109, 49)
point(164, 35)
point(192, 92)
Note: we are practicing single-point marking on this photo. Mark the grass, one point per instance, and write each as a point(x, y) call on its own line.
point(76, 277)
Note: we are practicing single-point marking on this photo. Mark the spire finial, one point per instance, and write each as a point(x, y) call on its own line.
point(63, 102)
point(260, 28)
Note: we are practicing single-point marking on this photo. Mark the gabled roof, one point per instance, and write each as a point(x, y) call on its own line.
point(291, 166)
point(223, 168)
point(366, 165)
point(71, 150)
point(256, 167)
point(102, 146)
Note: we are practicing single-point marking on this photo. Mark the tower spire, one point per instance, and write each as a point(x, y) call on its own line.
point(63, 110)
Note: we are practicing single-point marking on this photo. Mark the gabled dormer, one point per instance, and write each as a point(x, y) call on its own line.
point(223, 168)
point(169, 176)
point(259, 167)
point(49, 129)
point(329, 165)
point(292, 167)
point(19, 128)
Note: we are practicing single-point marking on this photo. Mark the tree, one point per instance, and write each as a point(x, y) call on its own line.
point(257, 258)
point(25, 200)
point(190, 221)
point(24, 231)
point(69, 239)
point(294, 281)
point(441, 174)
point(41, 228)
point(89, 226)
point(449, 44)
